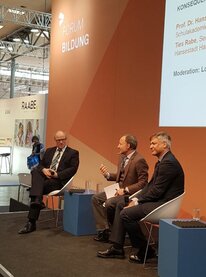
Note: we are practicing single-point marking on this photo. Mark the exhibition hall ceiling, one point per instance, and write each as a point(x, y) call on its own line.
point(23, 51)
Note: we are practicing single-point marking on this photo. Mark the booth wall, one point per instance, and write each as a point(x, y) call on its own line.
point(111, 86)
point(20, 119)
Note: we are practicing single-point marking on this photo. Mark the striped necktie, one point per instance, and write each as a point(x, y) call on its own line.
point(121, 174)
point(55, 160)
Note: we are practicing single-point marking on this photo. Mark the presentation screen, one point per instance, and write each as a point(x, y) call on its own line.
point(183, 84)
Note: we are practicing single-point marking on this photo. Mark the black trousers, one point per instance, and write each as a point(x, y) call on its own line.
point(41, 185)
point(127, 220)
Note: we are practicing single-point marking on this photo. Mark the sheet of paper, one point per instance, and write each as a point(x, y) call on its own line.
point(111, 190)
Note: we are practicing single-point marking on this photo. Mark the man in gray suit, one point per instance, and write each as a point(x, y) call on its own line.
point(57, 167)
point(166, 183)
point(132, 175)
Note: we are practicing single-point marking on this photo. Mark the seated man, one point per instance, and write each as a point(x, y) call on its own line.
point(58, 165)
point(167, 183)
point(132, 175)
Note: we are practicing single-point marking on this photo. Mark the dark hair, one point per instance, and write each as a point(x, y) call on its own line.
point(130, 139)
point(34, 138)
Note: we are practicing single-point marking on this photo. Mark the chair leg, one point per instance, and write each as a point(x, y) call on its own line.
point(22, 195)
point(19, 189)
point(58, 210)
point(55, 213)
point(0, 165)
point(53, 207)
point(148, 242)
point(152, 240)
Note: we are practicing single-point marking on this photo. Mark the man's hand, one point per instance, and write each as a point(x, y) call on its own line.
point(131, 204)
point(103, 170)
point(49, 173)
point(119, 192)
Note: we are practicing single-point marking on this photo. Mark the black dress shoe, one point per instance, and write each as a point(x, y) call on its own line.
point(103, 236)
point(139, 257)
point(28, 228)
point(133, 258)
point(111, 253)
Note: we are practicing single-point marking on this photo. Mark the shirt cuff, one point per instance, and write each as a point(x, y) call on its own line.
point(135, 200)
point(107, 175)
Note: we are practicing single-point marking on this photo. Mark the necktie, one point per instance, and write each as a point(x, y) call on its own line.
point(55, 160)
point(156, 171)
point(121, 175)
point(123, 164)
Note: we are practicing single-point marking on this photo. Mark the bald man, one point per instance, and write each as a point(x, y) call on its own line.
point(58, 166)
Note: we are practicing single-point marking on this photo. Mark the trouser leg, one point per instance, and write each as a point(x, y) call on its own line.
point(118, 230)
point(130, 218)
point(38, 180)
point(40, 186)
point(111, 204)
point(99, 210)
point(33, 214)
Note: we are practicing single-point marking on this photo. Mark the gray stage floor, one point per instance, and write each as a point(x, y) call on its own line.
point(54, 253)
point(51, 251)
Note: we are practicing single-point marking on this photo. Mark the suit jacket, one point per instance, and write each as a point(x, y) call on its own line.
point(167, 181)
point(68, 163)
point(135, 173)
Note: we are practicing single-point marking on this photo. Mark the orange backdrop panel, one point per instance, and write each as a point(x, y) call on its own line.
point(111, 86)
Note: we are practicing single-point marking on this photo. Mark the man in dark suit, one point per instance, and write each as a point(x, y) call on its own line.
point(57, 167)
point(167, 183)
point(132, 175)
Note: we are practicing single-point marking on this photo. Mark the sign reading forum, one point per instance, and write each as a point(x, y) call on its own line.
point(74, 34)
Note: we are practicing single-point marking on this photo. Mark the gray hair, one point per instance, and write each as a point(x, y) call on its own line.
point(163, 136)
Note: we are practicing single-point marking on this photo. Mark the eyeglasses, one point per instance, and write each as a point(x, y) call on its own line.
point(58, 140)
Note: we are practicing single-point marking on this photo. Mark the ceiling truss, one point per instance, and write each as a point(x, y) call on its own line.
point(25, 17)
point(30, 44)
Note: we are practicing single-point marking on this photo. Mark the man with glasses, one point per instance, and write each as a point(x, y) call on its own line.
point(56, 168)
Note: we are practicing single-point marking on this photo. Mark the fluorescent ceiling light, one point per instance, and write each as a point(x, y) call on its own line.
point(43, 34)
point(16, 39)
point(15, 11)
point(34, 30)
point(25, 75)
point(46, 33)
point(43, 92)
